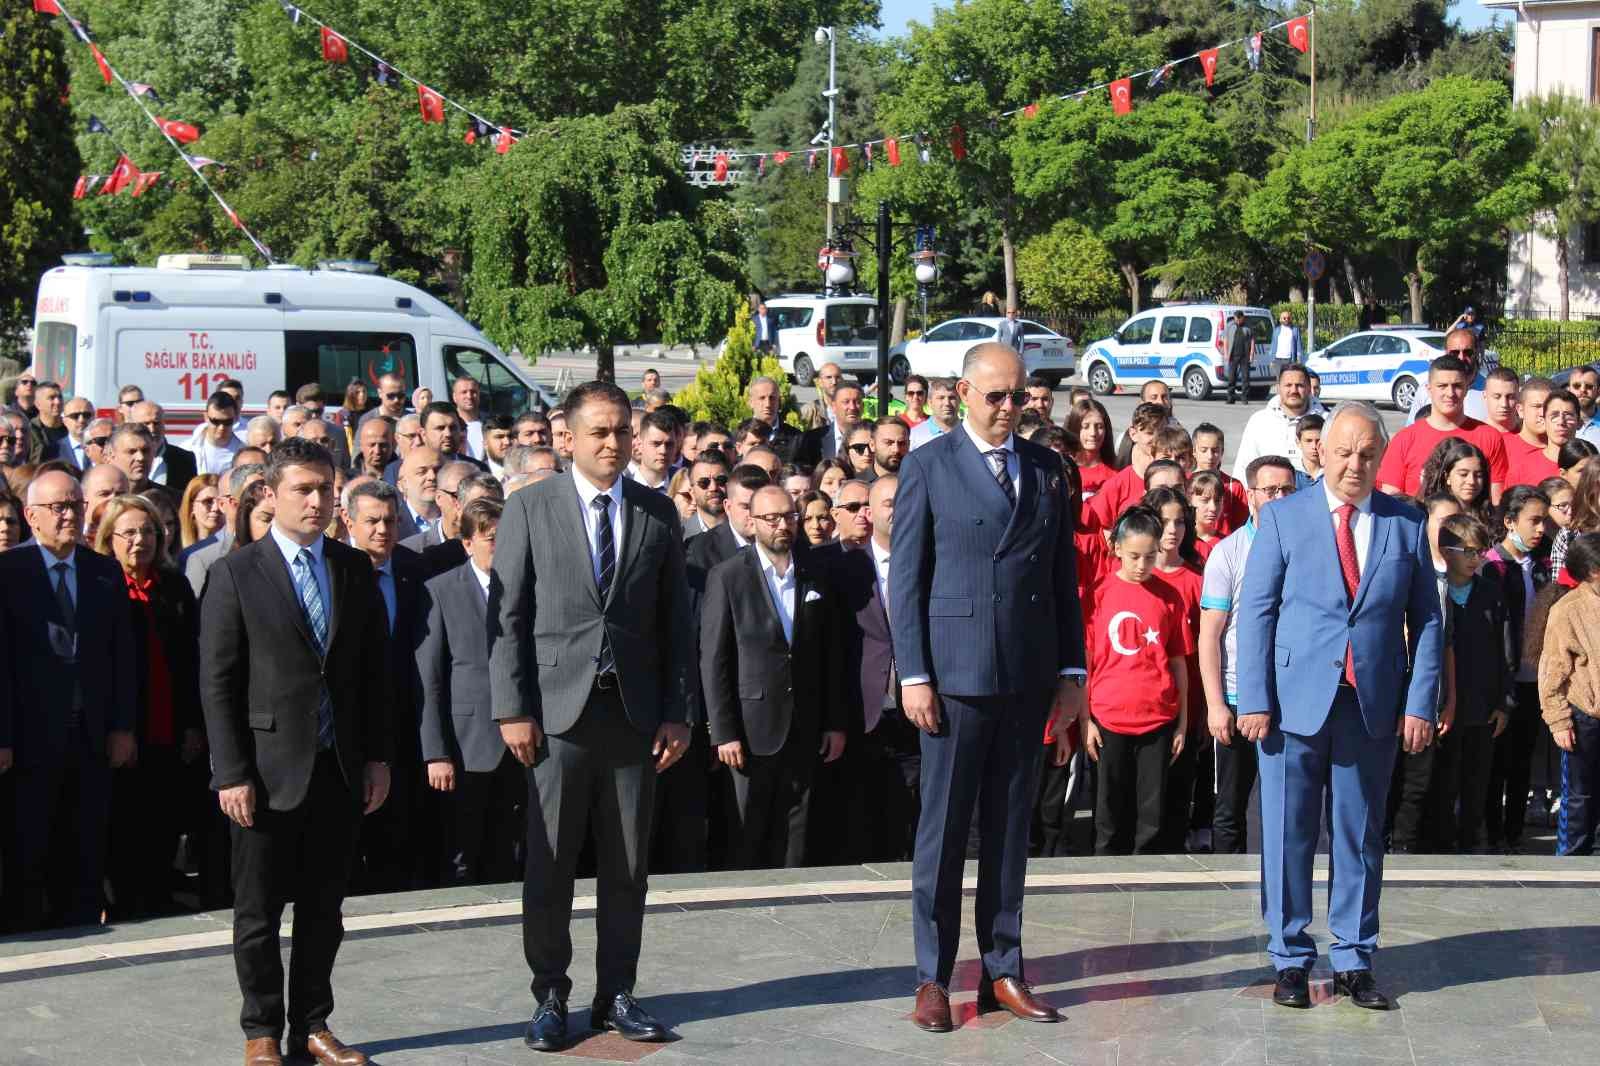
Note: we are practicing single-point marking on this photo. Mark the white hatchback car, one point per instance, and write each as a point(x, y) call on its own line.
point(812, 330)
point(1389, 363)
point(938, 353)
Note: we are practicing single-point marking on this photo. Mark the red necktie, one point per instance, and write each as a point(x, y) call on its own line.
point(1344, 536)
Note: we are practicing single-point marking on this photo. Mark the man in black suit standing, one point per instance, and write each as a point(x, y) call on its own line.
point(67, 707)
point(298, 702)
point(828, 440)
point(769, 667)
point(592, 688)
point(170, 465)
point(766, 403)
point(484, 790)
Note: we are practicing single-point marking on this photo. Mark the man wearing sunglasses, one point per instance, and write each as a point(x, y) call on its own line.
point(22, 395)
point(1463, 344)
point(989, 643)
point(1584, 383)
point(391, 400)
point(76, 417)
point(708, 486)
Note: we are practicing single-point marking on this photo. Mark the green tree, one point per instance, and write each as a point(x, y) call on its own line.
point(38, 163)
point(594, 238)
point(718, 391)
point(1567, 131)
point(1068, 269)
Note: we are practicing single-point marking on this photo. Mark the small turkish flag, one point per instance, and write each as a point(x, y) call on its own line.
point(147, 179)
point(47, 7)
point(719, 167)
point(503, 142)
point(100, 61)
point(1031, 111)
point(1299, 34)
point(891, 148)
point(1208, 60)
point(958, 142)
point(122, 175)
point(233, 216)
point(82, 188)
point(334, 49)
point(780, 158)
point(431, 103)
point(841, 162)
point(1122, 95)
point(182, 132)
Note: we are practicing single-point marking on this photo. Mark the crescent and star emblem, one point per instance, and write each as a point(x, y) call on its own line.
point(1113, 631)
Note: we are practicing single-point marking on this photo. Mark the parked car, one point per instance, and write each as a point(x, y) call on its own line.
point(938, 352)
point(1389, 364)
point(811, 330)
point(1181, 344)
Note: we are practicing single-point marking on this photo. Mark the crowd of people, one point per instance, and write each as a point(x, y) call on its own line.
point(803, 752)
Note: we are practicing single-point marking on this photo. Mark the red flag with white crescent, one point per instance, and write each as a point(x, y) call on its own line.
point(81, 189)
point(182, 132)
point(780, 158)
point(334, 48)
point(503, 142)
point(122, 175)
point(47, 7)
point(1300, 34)
point(891, 148)
point(1031, 111)
point(1122, 95)
point(147, 179)
point(431, 104)
point(1208, 60)
point(719, 167)
point(841, 162)
point(100, 61)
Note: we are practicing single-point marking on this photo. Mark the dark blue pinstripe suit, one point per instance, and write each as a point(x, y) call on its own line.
point(984, 603)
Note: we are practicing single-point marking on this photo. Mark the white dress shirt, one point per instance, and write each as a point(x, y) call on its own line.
point(1361, 526)
point(319, 568)
point(587, 491)
point(475, 438)
point(781, 590)
point(880, 560)
point(1013, 464)
point(483, 578)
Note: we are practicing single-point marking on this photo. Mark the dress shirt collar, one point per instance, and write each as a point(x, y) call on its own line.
point(739, 539)
point(387, 567)
point(984, 447)
point(588, 490)
point(880, 555)
point(290, 549)
point(637, 474)
point(1363, 505)
point(483, 578)
point(50, 559)
point(770, 569)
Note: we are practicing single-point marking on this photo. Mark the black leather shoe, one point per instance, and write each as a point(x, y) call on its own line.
point(1293, 988)
point(622, 1014)
point(1362, 989)
point(548, 1030)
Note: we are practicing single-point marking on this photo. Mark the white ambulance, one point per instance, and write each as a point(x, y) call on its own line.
point(180, 329)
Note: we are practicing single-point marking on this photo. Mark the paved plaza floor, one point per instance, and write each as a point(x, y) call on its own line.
point(1156, 960)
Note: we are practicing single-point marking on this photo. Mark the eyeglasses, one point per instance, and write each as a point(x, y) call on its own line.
point(1564, 508)
point(1465, 551)
point(394, 396)
point(916, 392)
point(62, 509)
point(1561, 416)
point(1461, 353)
point(776, 518)
point(853, 507)
point(76, 416)
point(861, 449)
point(129, 536)
point(220, 421)
point(1018, 397)
point(98, 442)
point(703, 483)
point(1275, 492)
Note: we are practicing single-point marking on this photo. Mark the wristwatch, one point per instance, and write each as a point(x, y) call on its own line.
point(1077, 679)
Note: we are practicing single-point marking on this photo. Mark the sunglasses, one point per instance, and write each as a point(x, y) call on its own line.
point(861, 449)
point(1018, 397)
point(98, 442)
point(852, 507)
point(703, 483)
point(394, 396)
point(76, 416)
point(220, 421)
point(1461, 353)
point(916, 392)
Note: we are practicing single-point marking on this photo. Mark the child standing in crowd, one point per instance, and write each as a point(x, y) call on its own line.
point(1206, 494)
point(1178, 565)
point(1097, 454)
point(1569, 695)
point(1583, 516)
point(1458, 469)
point(1514, 562)
point(1209, 445)
point(1138, 639)
point(1481, 643)
point(1575, 456)
point(1127, 484)
point(1559, 493)
point(1309, 437)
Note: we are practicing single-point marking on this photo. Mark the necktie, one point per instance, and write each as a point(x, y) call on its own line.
point(606, 557)
point(1350, 568)
point(997, 463)
point(69, 613)
point(306, 588)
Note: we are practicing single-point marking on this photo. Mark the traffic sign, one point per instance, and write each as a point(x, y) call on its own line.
point(1314, 265)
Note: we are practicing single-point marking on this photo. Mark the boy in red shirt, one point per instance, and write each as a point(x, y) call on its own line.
point(1562, 416)
point(1400, 473)
point(1209, 444)
point(1137, 689)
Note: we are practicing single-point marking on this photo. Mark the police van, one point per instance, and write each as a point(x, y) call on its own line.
point(1181, 344)
point(182, 328)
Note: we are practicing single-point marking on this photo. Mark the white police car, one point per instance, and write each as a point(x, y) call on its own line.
point(1181, 344)
point(1389, 363)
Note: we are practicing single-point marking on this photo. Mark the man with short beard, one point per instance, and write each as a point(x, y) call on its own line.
point(376, 441)
point(708, 485)
point(766, 403)
point(130, 450)
point(890, 442)
point(496, 442)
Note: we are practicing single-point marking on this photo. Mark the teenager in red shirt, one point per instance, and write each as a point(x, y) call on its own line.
point(1127, 484)
point(1138, 638)
point(1209, 445)
point(1400, 473)
point(1562, 415)
point(1206, 497)
point(1090, 425)
point(1189, 788)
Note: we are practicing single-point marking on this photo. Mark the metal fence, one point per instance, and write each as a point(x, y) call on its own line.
point(1543, 347)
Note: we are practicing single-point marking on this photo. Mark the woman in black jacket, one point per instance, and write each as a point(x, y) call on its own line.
point(150, 797)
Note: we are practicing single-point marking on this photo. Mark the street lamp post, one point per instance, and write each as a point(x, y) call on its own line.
point(825, 34)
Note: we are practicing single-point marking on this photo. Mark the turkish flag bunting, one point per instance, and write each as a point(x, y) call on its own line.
point(780, 158)
point(432, 104)
point(81, 188)
point(182, 132)
point(958, 142)
point(841, 162)
point(1299, 34)
point(1122, 95)
point(147, 179)
point(1031, 111)
point(891, 148)
point(503, 141)
point(100, 61)
point(47, 7)
point(866, 154)
point(334, 49)
point(233, 216)
point(719, 167)
point(122, 175)
point(1208, 60)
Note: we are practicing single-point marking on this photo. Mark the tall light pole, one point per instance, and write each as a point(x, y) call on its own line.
point(825, 34)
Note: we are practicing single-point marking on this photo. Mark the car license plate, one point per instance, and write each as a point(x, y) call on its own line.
point(858, 357)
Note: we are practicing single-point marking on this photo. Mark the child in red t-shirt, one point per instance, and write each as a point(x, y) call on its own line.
point(1138, 638)
point(1209, 446)
point(1206, 497)
point(1179, 566)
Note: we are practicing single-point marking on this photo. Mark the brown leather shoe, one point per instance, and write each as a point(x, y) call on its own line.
point(933, 1008)
point(329, 1050)
point(262, 1051)
point(1016, 997)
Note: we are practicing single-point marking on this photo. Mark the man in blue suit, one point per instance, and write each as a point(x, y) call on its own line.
point(988, 638)
point(1339, 580)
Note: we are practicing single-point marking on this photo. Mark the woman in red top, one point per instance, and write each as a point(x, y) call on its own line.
point(152, 797)
point(1090, 423)
point(1138, 638)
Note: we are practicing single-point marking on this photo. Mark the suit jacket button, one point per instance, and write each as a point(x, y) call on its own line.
point(1338, 664)
point(1033, 558)
point(1034, 598)
point(978, 521)
point(997, 597)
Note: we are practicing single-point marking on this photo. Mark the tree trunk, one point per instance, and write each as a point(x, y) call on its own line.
point(1414, 286)
point(1352, 281)
point(1008, 252)
point(1130, 274)
point(605, 363)
point(898, 332)
point(1563, 274)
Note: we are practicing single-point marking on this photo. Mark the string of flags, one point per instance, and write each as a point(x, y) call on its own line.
point(126, 174)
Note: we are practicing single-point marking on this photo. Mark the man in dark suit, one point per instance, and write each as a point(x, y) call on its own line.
point(887, 756)
point(769, 668)
point(439, 549)
point(766, 403)
point(482, 784)
point(298, 703)
point(592, 690)
point(67, 707)
point(828, 440)
point(983, 593)
point(708, 485)
point(170, 465)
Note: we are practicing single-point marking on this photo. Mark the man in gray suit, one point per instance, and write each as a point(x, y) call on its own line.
point(591, 673)
point(1010, 333)
point(466, 758)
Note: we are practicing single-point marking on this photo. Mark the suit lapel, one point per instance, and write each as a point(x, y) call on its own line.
point(270, 564)
point(976, 470)
point(1027, 498)
point(764, 593)
point(1375, 549)
point(569, 522)
point(632, 533)
point(473, 592)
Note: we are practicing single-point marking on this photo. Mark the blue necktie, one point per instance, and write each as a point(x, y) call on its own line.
point(305, 586)
point(607, 558)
